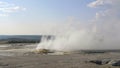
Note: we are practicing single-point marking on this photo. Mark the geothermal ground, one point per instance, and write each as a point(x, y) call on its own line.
point(22, 56)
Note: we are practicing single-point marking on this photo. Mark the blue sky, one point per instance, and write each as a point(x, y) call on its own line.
point(52, 9)
point(22, 14)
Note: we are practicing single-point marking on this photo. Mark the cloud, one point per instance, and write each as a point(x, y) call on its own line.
point(97, 3)
point(110, 12)
point(8, 8)
point(3, 15)
point(4, 4)
point(12, 9)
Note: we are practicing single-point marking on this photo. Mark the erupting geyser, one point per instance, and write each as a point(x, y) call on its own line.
point(70, 40)
point(83, 39)
point(102, 33)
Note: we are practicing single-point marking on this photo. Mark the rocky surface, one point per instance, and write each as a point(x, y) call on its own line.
point(32, 60)
point(113, 62)
point(23, 56)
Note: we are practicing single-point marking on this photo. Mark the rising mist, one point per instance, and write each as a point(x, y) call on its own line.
point(103, 32)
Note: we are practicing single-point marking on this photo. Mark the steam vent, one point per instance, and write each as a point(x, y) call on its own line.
point(42, 51)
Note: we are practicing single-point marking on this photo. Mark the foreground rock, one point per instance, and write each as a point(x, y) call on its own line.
point(100, 62)
point(115, 62)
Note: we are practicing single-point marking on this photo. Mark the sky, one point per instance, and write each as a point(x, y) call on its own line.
point(38, 16)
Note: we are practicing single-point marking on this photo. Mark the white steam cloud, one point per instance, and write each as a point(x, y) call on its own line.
point(7, 8)
point(103, 33)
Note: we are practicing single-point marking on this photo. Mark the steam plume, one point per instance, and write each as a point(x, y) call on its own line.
point(103, 33)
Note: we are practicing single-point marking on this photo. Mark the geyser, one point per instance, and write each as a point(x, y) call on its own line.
point(103, 33)
point(72, 39)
